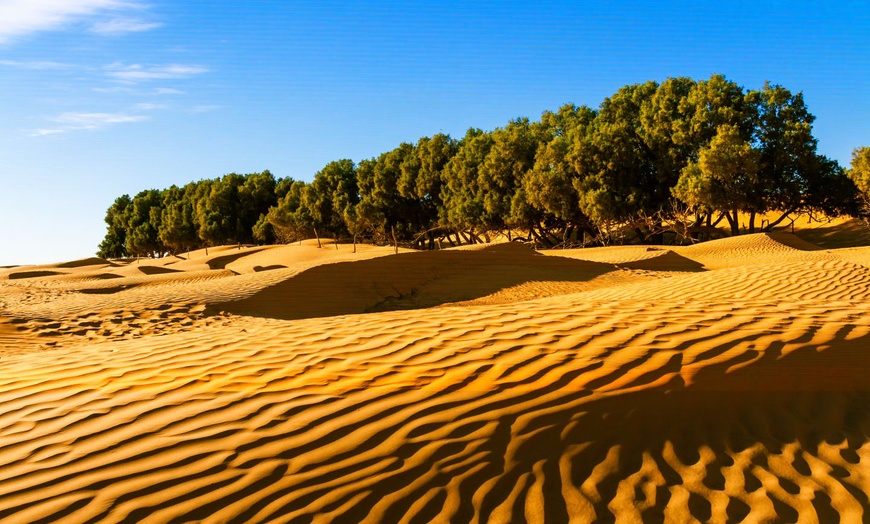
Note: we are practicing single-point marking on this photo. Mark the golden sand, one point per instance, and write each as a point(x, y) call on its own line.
point(726, 381)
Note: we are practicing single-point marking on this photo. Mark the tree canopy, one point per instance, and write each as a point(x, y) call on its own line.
point(651, 156)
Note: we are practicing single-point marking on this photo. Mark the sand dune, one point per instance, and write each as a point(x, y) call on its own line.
point(725, 381)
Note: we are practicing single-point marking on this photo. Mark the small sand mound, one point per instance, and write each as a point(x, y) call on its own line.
point(760, 248)
point(666, 261)
point(157, 270)
point(32, 274)
point(93, 261)
point(618, 255)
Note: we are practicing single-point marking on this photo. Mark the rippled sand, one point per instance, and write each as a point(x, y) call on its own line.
point(726, 381)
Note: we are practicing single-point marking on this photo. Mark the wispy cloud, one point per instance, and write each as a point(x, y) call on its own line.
point(94, 120)
point(36, 65)
point(22, 17)
point(138, 73)
point(118, 26)
point(113, 90)
point(46, 132)
point(204, 108)
point(149, 107)
point(83, 121)
point(168, 91)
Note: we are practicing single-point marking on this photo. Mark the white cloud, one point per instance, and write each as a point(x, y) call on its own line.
point(149, 107)
point(21, 17)
point(117, 26)
point(168, 91)
point(46, 132)
point(137, 73)
point(112, 90)
point(37, 65)
point(82, 121)
point(94, 120)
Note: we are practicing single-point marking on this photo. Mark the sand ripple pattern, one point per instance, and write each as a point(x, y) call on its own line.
point(552, 413)
point(737, 394)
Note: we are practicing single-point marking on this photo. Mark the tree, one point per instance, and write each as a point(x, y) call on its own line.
point(617, 178)
point(793, 177)
point(289, 219)
point(177, 229)
point(860, 174)
point(142, 222)
point(461, 193)
point(725, 177)
point(333, 189)
point(216, 210)
point(114, 245)
point(548, 188)
point(255, 196)
point(421, 181)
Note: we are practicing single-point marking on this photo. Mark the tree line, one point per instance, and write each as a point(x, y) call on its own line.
point(655, 162)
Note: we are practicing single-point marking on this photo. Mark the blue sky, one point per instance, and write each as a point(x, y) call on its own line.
point(104, 97)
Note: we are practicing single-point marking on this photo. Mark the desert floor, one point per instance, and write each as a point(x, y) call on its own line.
point(726, 381)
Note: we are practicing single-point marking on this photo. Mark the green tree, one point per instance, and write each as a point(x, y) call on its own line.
point(114, 245)
point(617, 178)
point(290, 221)
point(548, 188)
point(725, 177)
point(256, 195)
point(464, 209)
point(216, 210)
point(794, 178)
point(177, 228)
point(333, 189)
point(859, 173)
point(142, 221)
point(501, 176)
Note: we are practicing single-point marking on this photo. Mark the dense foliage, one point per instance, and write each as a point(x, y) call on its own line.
point(654, 160)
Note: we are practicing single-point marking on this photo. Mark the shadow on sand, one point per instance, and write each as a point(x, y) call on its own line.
point(410, 281)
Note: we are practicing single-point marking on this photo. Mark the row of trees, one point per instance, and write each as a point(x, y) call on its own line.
point(204, 213)
point(679, 156)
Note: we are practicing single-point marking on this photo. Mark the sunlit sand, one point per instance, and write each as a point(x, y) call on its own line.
point(725, 381)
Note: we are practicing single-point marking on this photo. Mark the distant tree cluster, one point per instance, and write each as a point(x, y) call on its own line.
point(677, 157)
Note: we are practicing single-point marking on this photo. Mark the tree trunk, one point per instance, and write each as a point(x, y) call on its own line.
point(354, 243)
point(752, 222)
point(317, 237)
point(395, 242)
point(732, 221)
point(534, 236)
point(776, 222)
point(640, 235)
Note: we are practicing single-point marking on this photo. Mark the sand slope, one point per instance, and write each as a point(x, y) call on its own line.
point(720, 382)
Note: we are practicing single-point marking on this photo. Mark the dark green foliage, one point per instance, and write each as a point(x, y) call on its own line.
point(461, 192)
point(859, 174)
point(114, 245)
point(290, 220)
point(682, 152)
point(142, 222)
point(177, 230)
